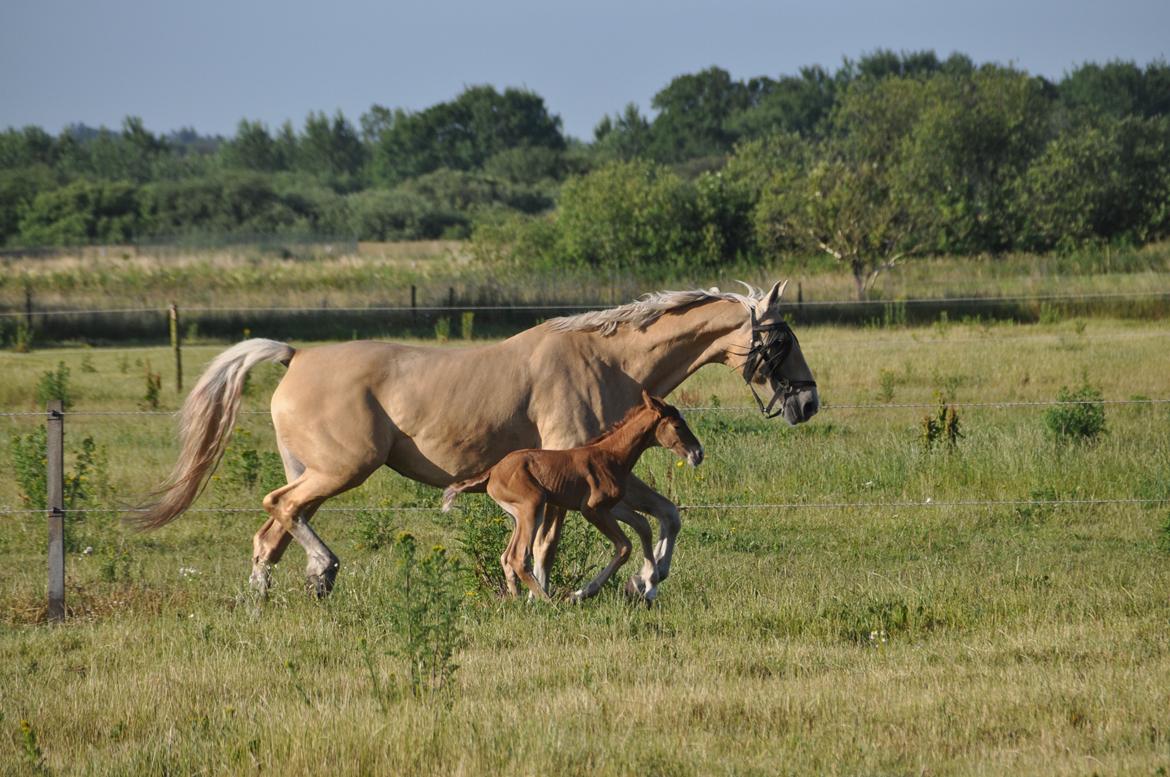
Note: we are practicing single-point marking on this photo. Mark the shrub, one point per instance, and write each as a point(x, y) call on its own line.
point(483, 531)
point(443, 329)
point(153, 389)
point(55, 385)
point(425, 615)
point(1080, 418)
point(943, 426)
point(375, 529)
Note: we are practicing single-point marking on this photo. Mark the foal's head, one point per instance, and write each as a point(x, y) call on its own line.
point(672, 432)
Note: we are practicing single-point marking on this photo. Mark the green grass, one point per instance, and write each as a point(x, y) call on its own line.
point(1013, 639)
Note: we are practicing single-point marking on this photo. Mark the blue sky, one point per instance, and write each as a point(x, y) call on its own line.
point(208, 64)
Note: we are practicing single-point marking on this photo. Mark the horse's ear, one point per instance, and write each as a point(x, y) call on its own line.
point(771, 299)
point(647, 400)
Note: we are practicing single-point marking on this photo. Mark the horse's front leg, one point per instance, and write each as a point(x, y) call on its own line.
point(645, 499)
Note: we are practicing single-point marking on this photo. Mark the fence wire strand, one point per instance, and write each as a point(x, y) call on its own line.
point(1085, 296)
point(826, 407)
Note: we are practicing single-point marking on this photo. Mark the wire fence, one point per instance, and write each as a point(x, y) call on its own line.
point(926, 502)
point(570, 307)
point(826, 407)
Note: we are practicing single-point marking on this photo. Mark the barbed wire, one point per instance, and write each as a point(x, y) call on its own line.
point(928, 502)
point(826, 407)
point(1085, 296)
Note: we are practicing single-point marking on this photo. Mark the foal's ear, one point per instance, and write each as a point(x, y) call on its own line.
point(771, 299)
point(647, 400)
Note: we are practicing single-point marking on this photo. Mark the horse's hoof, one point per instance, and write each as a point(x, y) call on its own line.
point(258, 585)
point(576, 597)
point(320, 585)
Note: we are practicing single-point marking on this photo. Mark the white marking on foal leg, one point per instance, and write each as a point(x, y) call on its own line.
point(643, 498)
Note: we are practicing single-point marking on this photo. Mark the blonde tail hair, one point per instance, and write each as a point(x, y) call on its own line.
point(205, 424)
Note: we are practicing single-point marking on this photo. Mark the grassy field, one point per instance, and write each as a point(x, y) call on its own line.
point(925, 638)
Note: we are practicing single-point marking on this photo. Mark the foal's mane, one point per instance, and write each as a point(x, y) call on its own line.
point(647, 309)
point(629, 416)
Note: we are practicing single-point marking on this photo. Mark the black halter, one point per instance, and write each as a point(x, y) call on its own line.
point(765, 356)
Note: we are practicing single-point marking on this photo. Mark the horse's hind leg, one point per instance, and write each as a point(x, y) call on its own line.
point(621, 551)
point(269, 543)
point(291, 507)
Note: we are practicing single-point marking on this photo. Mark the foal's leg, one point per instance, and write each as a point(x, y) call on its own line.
point(645, 583)
point(509, 575)
point(544, 547)
point(271, 540)
point(621, 551)
point(642, 498)
point(528, 518)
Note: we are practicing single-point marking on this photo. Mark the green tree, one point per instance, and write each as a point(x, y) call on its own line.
point(625, 215)
point(625, 136)
point(967, 149)
point(80, 213)
point(851, 202)
point(694, 113)
point(253, 148)
point(1104, 182)
point(464, 133)
point(331, 150)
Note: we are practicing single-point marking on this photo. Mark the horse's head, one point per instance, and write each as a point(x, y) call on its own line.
point(672, 432)
point(774, 361)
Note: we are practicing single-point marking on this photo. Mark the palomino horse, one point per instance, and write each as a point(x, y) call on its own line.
point(439, 415)
point(591, 479)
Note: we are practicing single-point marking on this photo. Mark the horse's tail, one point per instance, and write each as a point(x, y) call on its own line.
point(477, 485)
point(205, 424)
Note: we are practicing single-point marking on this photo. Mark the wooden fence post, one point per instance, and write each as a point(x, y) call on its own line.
point(55, 474)
point(413, 304)
point(177, 347)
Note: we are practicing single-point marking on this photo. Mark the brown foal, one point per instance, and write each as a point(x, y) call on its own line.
point(591, 479)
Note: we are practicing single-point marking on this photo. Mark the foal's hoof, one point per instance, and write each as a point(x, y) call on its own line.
point(576, 597)
point(638, 591)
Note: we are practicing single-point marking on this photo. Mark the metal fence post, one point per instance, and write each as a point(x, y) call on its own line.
point(55, 475)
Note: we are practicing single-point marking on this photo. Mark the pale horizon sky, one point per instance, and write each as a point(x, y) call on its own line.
point(210, 64)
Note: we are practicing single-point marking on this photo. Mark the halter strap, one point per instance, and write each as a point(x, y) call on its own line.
point(760, 361)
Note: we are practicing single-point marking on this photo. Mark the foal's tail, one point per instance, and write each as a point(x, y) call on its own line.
point(477, 485)
point(205, 424)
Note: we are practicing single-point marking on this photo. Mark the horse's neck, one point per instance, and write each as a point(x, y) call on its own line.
point(672, 348)
point(628, 442)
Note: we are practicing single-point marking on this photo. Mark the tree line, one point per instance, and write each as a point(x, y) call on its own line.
point(891, 155)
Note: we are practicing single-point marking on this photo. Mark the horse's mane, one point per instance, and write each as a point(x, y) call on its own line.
point(647, 309)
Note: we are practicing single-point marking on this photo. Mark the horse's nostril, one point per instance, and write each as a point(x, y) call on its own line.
point(809, 408)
